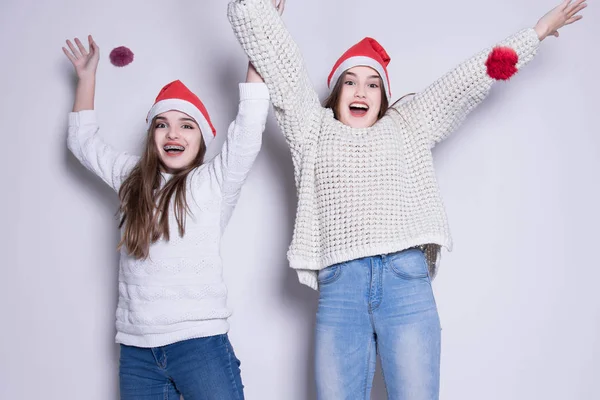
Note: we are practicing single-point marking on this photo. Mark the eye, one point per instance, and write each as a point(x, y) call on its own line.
point(349, 83)
point(374, 85)
point(187, 126)
point(160, 125)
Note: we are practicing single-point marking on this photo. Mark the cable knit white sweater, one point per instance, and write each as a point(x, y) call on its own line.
point(369, 191)
point(178, 293)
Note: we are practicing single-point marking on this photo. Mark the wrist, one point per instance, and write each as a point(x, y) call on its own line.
point(252, 76)
point(87, 78)
point(541, 31)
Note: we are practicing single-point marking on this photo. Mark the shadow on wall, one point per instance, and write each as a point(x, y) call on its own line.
point(108, 206)
point(301, 299)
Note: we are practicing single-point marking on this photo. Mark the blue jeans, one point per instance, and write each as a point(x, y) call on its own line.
point(385, 305)
point(199, 369)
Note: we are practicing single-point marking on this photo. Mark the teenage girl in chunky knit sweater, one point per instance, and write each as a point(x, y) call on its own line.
point(172, 312)
point(370, 221)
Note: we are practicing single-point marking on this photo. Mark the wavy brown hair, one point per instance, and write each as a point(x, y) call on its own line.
point(333, 100)
point(144, 206)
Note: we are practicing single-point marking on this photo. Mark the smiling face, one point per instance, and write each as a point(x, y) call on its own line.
point(178, 140)
point(360, 97)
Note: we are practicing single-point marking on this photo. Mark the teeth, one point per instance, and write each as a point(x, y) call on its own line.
point(357, 105)
point(173, 147)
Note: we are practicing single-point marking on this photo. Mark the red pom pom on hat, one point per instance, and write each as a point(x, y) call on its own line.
point(501, 63)
point(176, 96)
point(369, 53)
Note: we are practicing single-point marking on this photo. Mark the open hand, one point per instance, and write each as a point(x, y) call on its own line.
point(85, 62)
point(563, 14)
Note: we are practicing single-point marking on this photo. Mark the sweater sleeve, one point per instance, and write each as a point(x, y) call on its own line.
point(244, 138)
point(87, 146)
point(441, 107)
point(261, 32)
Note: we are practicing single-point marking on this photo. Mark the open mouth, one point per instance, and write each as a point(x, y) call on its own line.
point(173, 150)
point(358, 109)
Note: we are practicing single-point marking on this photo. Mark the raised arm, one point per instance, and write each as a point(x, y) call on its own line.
point(244, 138)
point(440, 108)
point(83, 139)
point(85, 63)
point(262, 34)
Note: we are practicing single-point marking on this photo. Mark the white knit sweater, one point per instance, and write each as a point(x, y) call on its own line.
point(178, 292)
point(368, 191)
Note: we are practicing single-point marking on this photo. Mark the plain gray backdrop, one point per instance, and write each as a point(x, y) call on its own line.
point(518, 297)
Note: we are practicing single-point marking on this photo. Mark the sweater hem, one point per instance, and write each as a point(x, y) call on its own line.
point(307, 269)
point(204, 329)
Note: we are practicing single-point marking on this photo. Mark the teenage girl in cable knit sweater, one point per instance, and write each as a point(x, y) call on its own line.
point(370, 220)
point(172, 311)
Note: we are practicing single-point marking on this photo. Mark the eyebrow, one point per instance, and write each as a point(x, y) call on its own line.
point(370, 77)
point(180, 119)
point(187, 119)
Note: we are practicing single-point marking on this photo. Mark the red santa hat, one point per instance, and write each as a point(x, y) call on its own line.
point(369, 53)
point(176, 96)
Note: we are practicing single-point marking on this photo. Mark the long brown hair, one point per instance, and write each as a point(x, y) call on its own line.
point(144, 206)
point(332, 101)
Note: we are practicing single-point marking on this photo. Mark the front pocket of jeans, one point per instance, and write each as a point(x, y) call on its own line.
point(329, 274)
point(409, 264)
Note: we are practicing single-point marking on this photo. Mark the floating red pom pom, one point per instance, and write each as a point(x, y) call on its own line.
point(121, 56)
point(501, 63)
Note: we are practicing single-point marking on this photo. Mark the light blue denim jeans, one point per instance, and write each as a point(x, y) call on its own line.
point(378, 305)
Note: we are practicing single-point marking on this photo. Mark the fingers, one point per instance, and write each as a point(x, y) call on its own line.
point(564, 4)
point(575, 8)
point(69, 55)
point(573, 19)
point(576, 3)
point(93, 46)
point(78, 50)
point(73, 49)
point(82, 49)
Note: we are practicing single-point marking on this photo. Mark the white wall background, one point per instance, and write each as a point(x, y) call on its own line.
point(518, 297)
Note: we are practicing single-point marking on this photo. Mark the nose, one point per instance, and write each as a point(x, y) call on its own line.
point(359, 92)
point(172, 133)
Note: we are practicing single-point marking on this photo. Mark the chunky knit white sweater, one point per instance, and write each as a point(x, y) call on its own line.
point(178, 292)
point(369, 191)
